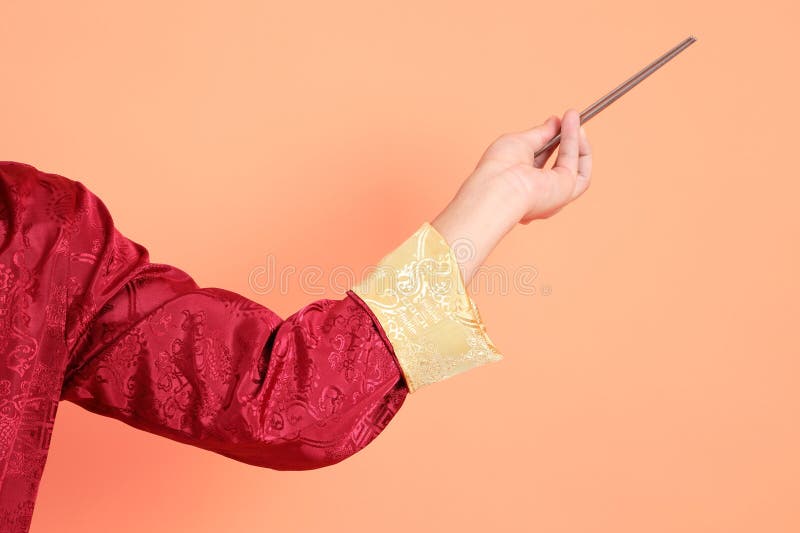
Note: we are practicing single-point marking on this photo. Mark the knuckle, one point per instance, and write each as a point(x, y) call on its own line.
point(508, 139)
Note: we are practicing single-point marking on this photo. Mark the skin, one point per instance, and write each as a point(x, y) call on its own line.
point(510, 187)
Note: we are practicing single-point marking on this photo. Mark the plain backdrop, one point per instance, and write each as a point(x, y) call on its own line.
point(650, 379)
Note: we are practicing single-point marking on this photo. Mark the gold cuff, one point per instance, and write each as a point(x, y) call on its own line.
point(418, 295)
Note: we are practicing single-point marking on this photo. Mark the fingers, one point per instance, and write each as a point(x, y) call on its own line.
point(574, 163)
point(542, 158)
point(567, 160)
point(584, 164)
point(547, 191)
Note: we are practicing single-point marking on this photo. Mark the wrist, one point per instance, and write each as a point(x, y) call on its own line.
point(477, 218)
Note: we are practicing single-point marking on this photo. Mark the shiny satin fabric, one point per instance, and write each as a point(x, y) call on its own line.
point(418, 295)
point(86, 317)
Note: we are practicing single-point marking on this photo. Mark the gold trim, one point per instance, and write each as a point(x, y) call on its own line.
point(418, 295)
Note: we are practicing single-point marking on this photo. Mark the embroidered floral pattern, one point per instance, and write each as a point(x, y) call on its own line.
point(86, 317)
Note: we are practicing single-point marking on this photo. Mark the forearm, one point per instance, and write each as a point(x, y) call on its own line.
point(475, 221)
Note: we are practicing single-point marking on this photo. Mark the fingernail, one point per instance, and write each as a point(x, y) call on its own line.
point(583, 131)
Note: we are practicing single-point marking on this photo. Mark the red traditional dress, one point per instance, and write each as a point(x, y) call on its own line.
point(86, 317)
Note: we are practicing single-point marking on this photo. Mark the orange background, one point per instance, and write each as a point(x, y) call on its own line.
point(655, 388)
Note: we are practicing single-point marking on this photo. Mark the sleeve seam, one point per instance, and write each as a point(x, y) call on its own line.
point(381, 332)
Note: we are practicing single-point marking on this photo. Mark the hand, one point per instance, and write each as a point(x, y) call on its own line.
point(509, 186)
point(542, 191)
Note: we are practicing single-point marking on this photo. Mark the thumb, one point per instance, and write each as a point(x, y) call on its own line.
point(538, 136)
point(519, 146)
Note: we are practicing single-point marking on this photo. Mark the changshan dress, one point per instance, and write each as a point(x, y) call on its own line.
point(86, 317)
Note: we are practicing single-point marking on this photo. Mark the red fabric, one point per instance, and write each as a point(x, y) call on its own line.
point(86, 317)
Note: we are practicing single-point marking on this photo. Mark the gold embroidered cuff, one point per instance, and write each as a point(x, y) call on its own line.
point(418, 295)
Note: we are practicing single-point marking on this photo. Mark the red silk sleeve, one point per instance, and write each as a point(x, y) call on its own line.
point(211, 368)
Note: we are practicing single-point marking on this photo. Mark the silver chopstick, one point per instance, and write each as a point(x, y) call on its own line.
point(629, 84)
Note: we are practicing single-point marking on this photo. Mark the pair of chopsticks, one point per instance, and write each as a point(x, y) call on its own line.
point(629, 84)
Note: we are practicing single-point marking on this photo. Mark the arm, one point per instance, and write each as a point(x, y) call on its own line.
point(434, 326)
point(213, 369)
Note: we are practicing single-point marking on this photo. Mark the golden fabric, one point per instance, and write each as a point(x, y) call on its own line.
point(418, 295)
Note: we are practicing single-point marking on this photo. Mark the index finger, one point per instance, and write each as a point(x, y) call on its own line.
point(567, 160)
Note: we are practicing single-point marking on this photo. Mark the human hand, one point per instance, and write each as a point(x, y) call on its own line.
point(509, 186)
point(541, 192)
